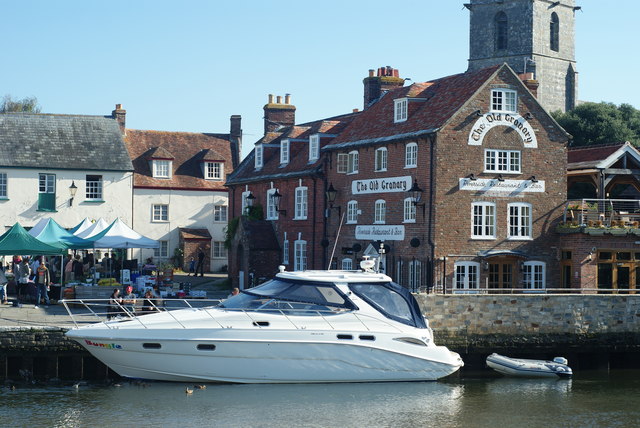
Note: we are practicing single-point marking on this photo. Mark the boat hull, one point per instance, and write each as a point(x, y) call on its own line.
point(519, 367)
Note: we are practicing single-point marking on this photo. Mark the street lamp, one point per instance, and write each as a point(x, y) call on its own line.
point(72, 191)
point(331, 194)
point(416, 195)
point(276, 197)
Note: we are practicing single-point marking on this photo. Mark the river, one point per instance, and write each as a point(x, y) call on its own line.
point(590, 399)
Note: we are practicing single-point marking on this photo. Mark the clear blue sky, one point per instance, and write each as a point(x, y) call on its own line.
point(189, 65)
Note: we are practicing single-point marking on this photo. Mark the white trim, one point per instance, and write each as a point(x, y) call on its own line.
point(353, 162)
point(285, 149)
point(509, 155)
point(301, 203)
point(380, 164)
point(484, 216)
point(466, 277)
point(409, 211)
point(415, 156)
point(534, 273)
point(155, 166)
point(529, 218)
point(271, 213)
point(400, 110)
point(314, 147)
point(505, 98)
point(380, 212)
point(352, 212)
point(259, 156)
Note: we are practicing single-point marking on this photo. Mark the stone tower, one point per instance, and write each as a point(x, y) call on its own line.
point(532, 36)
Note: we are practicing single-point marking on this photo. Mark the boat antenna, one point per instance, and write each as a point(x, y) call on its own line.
point(333, 251)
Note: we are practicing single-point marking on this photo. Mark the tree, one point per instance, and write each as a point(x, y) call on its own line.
point(601, 123)
point(25, 105)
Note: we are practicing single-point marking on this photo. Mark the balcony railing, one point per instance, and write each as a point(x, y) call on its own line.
point(603, 213)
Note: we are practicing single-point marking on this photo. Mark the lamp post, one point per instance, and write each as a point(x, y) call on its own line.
point(249, 199)
point(276, 197)
point(331, 194)
point(416, 195)
point(72, 192)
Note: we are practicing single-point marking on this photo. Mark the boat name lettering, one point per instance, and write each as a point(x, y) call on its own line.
point(103, 345)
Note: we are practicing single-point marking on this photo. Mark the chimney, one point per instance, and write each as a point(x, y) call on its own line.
point(278, 115)
point(377, 83)
point(530, 82)
point(120, 114)
point(235, 138)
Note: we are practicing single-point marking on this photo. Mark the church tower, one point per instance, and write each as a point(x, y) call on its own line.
point(532, 36)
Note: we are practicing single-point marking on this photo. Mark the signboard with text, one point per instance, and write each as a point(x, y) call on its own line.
point(381, 185)
point(505, 186)
point(380, 232)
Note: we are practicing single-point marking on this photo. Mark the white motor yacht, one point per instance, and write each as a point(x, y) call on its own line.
point(300, 327)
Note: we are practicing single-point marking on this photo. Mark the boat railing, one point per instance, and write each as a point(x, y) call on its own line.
point(84, 311)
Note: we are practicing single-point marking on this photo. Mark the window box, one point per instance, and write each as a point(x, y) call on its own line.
point(567, 228)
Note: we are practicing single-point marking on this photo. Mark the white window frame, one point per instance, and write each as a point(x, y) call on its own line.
point(300, 255)
point(4, 186)
point(411, 155)
point(483, 220)
point(285, 251)
point(271, 213)
point(162, 252)
point(46, 183)
point(244, 201)
point(409, 210)
point(259, 156)
point(352, 162)
point(213, 170)
point(415, 275)
point(342, 162)
point(519, 221)
point(380, 163)
point(347, 264)
point(380, 212)
point(466, 277)
point(93, 188)
point(534, 276)
point(400, 108)
point(219, 251)
point(504, 100)
point(159, 213)
point(285, 147)
point(352, 212)
point(220, 213)
point(302, 206)
point(161, 168)
point(314, 147)
point(503, 161)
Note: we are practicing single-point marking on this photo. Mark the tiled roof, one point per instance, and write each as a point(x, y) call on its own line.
point(62, 142)
point(197, 234)
point(187, 151)
point(591, 154)
point(435, 102)
point(260, 234)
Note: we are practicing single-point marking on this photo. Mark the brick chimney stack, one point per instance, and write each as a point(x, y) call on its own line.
point(278, 114)
point(120, 114)
point(530, 82)
point(235, 138)
point(376, 84)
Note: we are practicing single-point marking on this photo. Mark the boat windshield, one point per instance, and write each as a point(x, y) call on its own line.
point(391, 300)
point(317, 294)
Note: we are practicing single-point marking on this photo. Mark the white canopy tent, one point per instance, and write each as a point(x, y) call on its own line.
point(93, 229)
point(39, 226)
point(119, 235)
point(80, 227)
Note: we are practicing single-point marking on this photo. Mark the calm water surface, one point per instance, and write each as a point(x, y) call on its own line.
point(590, 399)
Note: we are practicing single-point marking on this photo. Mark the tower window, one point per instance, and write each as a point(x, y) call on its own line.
point(501, 26)
point(554, 32)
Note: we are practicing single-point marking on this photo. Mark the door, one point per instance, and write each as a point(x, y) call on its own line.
point(500, 275)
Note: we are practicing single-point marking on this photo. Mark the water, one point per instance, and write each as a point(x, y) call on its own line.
point(590, 399)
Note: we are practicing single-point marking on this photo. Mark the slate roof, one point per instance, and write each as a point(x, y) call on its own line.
point(186, 150)
point(590, 156)
point(53, 141)
point(196, 234)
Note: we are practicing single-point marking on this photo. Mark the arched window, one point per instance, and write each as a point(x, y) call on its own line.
point(380, 212)
point(352, 212)
point(554, 32)
point(501, 26)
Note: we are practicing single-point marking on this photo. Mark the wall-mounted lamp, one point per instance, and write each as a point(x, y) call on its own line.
point(528, 116)
point(276, 197)
point(72, 192)
point(485, 265)
point(416, 195)
point(593, 250)
point(472, 177)
point(478, 113)
point(500, 177)
point(533, 179)
point(331, 194)
point(249, 200)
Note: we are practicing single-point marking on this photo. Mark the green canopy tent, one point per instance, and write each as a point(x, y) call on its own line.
point(17, 241)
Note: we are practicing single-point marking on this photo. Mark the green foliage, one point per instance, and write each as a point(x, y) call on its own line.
point(601, 123)
point(254, 213)
point(25, 105)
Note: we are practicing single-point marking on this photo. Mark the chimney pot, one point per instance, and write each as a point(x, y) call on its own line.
point(279, 99)
point(371, 72)
point(270, 98)
point(287, 98)
point(118, 106)
point(355, 110)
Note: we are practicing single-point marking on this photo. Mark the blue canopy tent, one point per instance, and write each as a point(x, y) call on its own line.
point(54, 234)
point(17, 241)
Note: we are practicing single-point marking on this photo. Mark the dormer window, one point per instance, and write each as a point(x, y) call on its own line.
point(259, 156)
point(161, 168)
point(314, 147)
point(213, 170)
point(284, 152)
point(504, 101)
point(400, 110)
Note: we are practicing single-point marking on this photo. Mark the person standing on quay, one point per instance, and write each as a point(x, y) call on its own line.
point(200, 267)
point(43, 280)
point(24, 272)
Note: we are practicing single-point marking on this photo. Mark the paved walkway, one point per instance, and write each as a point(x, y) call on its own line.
point(56, 316)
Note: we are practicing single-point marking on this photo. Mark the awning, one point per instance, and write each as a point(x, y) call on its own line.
point(487, 254)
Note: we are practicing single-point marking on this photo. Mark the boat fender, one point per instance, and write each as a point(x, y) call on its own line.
point(560, 360)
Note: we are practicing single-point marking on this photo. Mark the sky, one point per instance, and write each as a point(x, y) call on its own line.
point(189, 65)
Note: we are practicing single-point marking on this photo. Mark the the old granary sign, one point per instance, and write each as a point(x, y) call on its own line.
point(516, 122)
point(501, 186)
point(381, 185)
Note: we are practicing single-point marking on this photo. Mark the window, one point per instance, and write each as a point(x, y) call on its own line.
point(352, 162)
point(47, 192)
point(554, 32)
point(501, 28)
point(380, 211)
point(94, 187)
point(467, 276)
point(347, 264)
point(219, 250)
point(341, 163)
point(3, 185)
point(519, 221)
point(507, 161)
point(381, 159)
point(220, 213)
point(504, 100)
point(284, 152)
point(213, 170)
point(415, 274)
point(533, 275)
point(411, 155)
point(162, 251)
point(160, 212)
point(161, 169)
point(483, 224)
point(314, 147)
point(352, 212)
point(259, 156)
point(285, 252)
point(301, 203)
point(300, 255)
point(409, 210)
point(272, 214)
point(400, 110)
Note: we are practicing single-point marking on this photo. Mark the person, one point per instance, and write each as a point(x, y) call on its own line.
point(23, 274)
point(78, 268)
point(200, 266)
point(129, 299)
point(115, 301)
point(234, 292)
point(68, 269)
point(43, 281)
point(3, 288)
point(192, 266)
point(35, 264)
point(116, 266)
point(149, 303)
